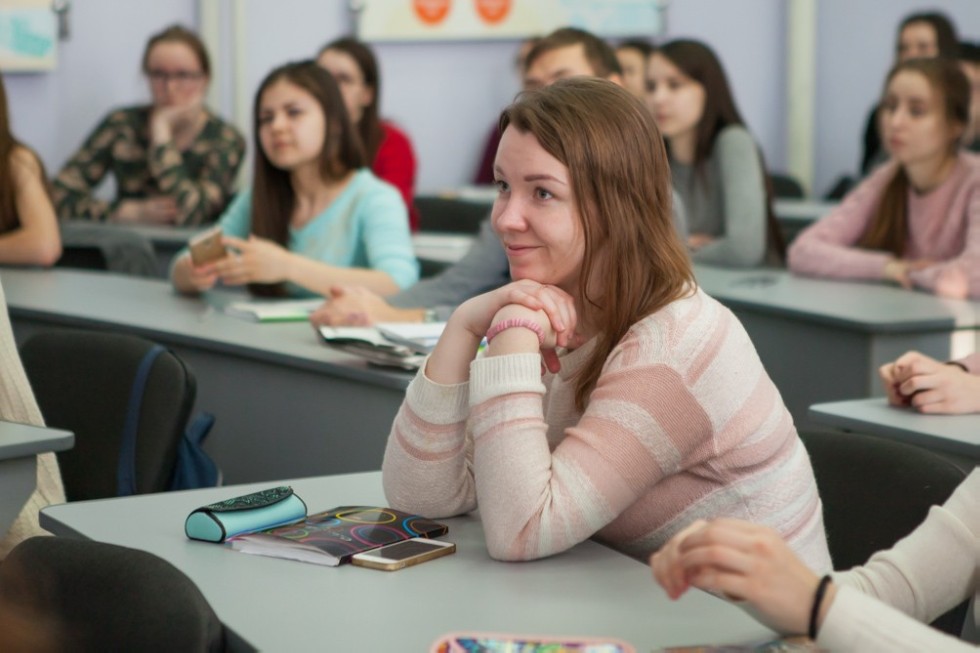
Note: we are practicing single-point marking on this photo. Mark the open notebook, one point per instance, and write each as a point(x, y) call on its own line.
point(283, 310)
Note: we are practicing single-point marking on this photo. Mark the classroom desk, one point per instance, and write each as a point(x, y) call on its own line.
point(956, 434)
point(285, 404)
point(282, 605)
point(19, 446)
point(824, 340)
point(794, 216)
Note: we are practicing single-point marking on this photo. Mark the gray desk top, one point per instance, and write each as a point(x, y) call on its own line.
point(285, 605)
point(152, 308)
point(859, 306)
point(20, 440)
point(802, 211)
point(959, 434)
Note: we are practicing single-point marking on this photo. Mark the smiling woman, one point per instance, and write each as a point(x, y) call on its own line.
point(314, 217)
point(654, 410)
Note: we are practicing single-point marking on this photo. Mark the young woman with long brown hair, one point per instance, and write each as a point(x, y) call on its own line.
point(315, 216)
point(915, 220)
point(654, 409)
point(28, 225)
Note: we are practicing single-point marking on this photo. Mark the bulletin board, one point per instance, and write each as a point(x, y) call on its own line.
point(426, 20)
point(28, 36)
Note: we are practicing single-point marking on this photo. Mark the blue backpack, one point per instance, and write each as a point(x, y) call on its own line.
point(193, 468)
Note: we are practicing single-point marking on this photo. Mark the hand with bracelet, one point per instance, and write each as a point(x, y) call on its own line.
point(746, 562)
point(930, 386)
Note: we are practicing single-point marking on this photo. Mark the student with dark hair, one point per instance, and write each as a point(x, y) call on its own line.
point(388, 149)
point(633, 55)
point(174, 161)
point(28, 225)
point(315, 216)
point(636, 428)
point(915, 220)
point(920, 35)
point(570, 52)
point(717, 168)
point(970, 63)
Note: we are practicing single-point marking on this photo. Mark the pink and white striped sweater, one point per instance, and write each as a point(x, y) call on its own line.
point(684, 423)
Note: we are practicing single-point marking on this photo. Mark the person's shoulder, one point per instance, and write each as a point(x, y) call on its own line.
point(224, 130)
point(137, 114)
point(735, 136)
point(24, 164)
point(394, 137)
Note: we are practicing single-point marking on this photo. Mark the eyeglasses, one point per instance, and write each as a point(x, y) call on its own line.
point(182, 77)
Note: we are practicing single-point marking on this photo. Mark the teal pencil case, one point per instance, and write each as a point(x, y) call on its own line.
point(245, 514)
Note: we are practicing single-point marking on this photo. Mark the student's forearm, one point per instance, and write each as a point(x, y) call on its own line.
point(30, 247)
point(180, 276)
point(320, 277)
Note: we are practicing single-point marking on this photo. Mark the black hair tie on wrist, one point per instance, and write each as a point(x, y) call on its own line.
point(817, 600)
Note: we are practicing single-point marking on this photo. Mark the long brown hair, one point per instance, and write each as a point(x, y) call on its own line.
point(8, 188)
point(947, 42)
point(699, 62)
point(620, 179)
point(179, 34)
point(273, 197)
point(888, 229)
point(370, 125)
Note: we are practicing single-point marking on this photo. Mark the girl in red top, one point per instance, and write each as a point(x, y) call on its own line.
point(355, 68)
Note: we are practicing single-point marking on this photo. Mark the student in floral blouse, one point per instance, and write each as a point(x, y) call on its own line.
point(174, 161)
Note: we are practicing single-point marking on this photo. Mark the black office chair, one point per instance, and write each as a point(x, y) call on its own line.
point(450, 215)
point(60, 594)
point(786, 187)
point(101, 247)
point(875, 491)
point(83, 381)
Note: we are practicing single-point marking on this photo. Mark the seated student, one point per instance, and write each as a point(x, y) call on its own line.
point(315, 216)
point(915, 220)
point(17, 404)
point(388, 148)
point(655, 409)
point(930, 386)
point(880, 606)
point(716, 165)
point(568, 52)
point(633, 55)
point(174, 161)
point(28, 226)
point(920, 35)
point(970, 63)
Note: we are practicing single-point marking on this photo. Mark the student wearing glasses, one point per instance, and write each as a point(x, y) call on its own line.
point(173, 160)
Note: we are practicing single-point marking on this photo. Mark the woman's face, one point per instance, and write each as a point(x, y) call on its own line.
point(633, 62)
point(292, 126)
point(175, 74)
point(913, 121)
point(355, 91)
point(676, 100)
point(917, 40)
point(535, 214)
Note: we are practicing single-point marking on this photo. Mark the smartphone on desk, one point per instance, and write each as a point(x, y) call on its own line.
point(403, 554)
point(511, 643)
point(206, 247)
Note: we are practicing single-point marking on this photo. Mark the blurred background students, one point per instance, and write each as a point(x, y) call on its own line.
point(315, 215)
point(916, 219)
point(970, 63)
point(174, 161)
point(920, 35)
point(28, 225)
point(388, 149)
point(717, 168)
point(633, 55)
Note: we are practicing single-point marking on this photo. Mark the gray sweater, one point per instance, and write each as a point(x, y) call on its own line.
point(727, 202)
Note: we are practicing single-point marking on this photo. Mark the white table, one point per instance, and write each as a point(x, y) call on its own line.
point(19, 446)
point(823, 340)
point(281, 605)
point(286, 405)
point(956, 434)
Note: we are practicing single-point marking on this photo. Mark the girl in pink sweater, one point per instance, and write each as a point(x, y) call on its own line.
point(916, 220)
point(654, 410)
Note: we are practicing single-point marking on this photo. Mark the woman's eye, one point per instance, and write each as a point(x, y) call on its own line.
point(265, 120)
point(542, 194)
point(292, 113)
point(502, 186)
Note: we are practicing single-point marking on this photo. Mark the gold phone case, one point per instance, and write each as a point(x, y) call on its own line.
point(206, 247)
point(407, 562)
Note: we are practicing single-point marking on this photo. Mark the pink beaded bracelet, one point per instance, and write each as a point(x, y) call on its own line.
point(521, 322)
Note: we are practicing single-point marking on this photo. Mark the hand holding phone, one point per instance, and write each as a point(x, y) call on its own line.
point(206, 247)
point(403, 554)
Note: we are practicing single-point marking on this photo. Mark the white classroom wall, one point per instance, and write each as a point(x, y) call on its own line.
point(447, 94)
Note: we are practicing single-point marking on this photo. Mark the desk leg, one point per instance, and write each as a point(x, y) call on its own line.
point(18, 478)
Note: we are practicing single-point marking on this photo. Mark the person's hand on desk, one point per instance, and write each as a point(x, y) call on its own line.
point(899, 270)
point(930, 386)
point(154, 210)
point(742, 562)
point(255, 260)
point(358, 306)
point(697, 241)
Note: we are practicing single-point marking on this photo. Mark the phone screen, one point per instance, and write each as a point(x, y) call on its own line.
point(403, 550)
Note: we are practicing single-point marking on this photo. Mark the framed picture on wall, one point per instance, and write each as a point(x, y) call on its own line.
point(28, 36)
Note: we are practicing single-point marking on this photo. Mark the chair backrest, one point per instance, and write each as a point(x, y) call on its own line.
point(450, 215)
point(875, 491)
point(102, 247)
point(786, 186)
point(91, 596)
point(83, 381)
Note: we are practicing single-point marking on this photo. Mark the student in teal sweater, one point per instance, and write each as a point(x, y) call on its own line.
point(315, 216)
